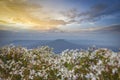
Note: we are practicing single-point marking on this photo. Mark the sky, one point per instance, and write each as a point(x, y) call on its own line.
point(58, 18)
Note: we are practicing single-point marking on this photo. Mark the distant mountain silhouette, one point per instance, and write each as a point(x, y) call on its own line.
point(61, 44)
point(29, 43)
point(58, 45)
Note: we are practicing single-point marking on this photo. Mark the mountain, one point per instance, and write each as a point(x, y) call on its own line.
point(29, 43)
point(61, 44)
point(58, 45)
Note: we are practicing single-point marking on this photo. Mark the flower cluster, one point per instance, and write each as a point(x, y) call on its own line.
point(18, 63)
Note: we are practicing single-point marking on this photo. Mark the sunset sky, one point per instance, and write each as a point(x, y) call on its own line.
point(67, 15)
point(59, 16)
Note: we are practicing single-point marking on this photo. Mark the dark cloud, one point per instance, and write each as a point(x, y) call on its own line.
point(99, 7)
point(57, 22)
point(55, 30)
point(72, 13)
point(96, 12)
point(100, 11)
point(112, 28)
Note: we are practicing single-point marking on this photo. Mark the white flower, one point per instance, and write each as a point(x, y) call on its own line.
point(88, 76)
point(32, 72)
point(31, 77)
point(93, 78)
point(99, 62)
point(114, 70)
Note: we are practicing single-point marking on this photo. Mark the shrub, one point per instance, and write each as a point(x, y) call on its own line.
point(19, 63)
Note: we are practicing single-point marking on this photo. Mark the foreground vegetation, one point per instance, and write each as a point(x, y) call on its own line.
point(18, 63)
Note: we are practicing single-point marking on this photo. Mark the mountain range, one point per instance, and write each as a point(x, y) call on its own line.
point(60, 45)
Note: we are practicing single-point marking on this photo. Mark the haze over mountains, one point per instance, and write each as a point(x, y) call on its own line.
point(108, 37)
point(58, 45)
point(61, 44)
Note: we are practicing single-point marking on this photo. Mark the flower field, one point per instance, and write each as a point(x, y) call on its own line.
point(18, 63)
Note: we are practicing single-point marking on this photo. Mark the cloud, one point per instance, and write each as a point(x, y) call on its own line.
point(57, 22)
point(72, 13)
point(100, 11)
point(17, 14)
point(112, 28)
point(96, 12)
point(48, 24)
point(14, 11)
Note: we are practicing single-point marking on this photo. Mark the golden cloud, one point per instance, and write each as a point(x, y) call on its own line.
point(17, 13)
